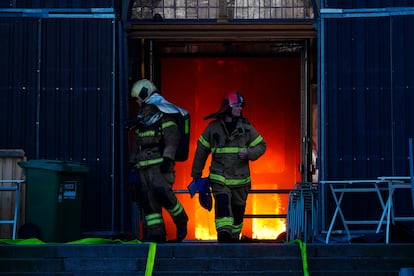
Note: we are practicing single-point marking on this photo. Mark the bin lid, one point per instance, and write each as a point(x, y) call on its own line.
point(54, 165)
point(11, 153)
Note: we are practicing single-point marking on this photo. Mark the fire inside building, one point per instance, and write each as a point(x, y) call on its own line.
point(327, 84)
point(197, 70)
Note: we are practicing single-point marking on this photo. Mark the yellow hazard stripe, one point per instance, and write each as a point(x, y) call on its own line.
point(146, 163)
point(256, 141)
point(168, 124)
point(225, 221)
point(147, 133)
point(229, 182)
point(227, 150)
point(176, 210)
point(187, 126)
point(152, 249)
point(237, 228)
point(204, 142)
point(304, 255)
point(154, 219)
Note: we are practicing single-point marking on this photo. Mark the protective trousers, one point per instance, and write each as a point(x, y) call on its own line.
point(157, 193)
point(230, 206)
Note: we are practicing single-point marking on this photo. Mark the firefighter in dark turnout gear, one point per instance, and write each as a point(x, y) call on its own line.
point(156, 141)
point(233, 143)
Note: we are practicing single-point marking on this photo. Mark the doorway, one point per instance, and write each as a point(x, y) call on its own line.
point(197, 76)
point(272, 90)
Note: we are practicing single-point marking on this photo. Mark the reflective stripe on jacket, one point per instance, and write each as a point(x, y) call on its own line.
point(155, 142)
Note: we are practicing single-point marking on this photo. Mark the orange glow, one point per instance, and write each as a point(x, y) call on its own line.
point(204, 228)
point(271, 87)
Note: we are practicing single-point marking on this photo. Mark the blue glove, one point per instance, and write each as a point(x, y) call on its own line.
point(193, 188)
point(202, 186)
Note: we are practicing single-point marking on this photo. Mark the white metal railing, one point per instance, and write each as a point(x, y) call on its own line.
point(383, 187)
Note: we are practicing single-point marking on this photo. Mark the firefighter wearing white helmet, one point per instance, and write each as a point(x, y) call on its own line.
point(233, 143)
point(143, 89)
point(156, 140)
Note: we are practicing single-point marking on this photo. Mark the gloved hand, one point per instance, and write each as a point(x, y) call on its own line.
point(202, 187)
point(204, 193)
point(244, 154)
point(193, 188)
point(166, 165)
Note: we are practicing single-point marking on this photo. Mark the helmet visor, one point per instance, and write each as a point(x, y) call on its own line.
point(237, 104)
point(143, 94)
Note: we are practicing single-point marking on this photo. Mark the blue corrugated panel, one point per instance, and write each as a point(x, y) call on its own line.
point(359, 4)
point(57, 99)
point(368, 96)
point(18, 82)
point(48, 4)
point(356, 62)
point(369, 104)
point(402, 99)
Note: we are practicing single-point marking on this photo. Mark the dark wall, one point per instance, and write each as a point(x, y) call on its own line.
point(58, 100)
point(366, 99)
point(369, 92)
point(355, 4)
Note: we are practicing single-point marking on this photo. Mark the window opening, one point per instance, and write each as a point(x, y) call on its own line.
point(210, 9)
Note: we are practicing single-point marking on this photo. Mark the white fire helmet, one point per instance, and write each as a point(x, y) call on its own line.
point(143, 89)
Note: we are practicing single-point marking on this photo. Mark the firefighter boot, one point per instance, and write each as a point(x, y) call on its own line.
point(180, 219)
point(224, 237)
point(182, 228)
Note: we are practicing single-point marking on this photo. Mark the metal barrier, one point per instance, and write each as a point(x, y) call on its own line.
point(383, 187)
point(302, 211)
point(15, 187)
point(258, 191)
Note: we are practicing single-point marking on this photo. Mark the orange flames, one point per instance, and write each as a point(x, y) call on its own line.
point(256, 228)
point(271, 87)
point(267, 228)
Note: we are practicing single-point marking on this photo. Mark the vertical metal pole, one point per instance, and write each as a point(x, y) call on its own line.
point(305, 166)
point(391, 101)
point(122, 86)
point(142, 58)
point(113, 128)
point(410, 148)
point(321, 115)
point(38, 88)
point(151, 63)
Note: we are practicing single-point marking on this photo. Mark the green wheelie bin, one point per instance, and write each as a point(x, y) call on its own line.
point(54, 195)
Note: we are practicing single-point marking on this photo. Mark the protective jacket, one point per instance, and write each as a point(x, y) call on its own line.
point(156, 141)
point(229, 174)
point(226, 167)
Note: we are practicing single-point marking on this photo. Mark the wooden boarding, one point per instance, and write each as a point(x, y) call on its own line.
point(10, 170)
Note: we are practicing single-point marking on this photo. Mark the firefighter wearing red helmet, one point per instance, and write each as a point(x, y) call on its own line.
point(233, 142)
point(156, 142)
